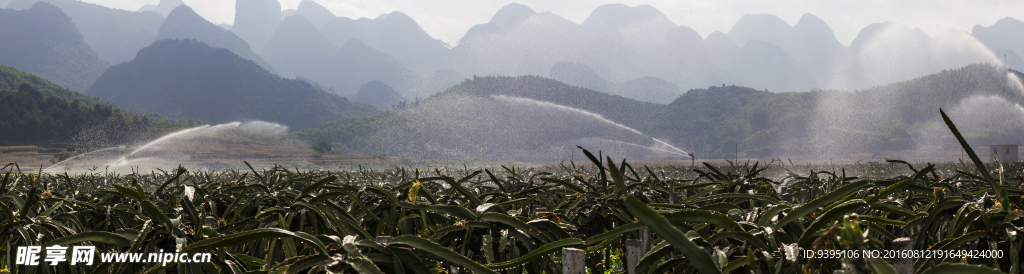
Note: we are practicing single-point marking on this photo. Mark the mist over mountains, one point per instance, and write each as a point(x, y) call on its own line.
point(999, 37)
point(189, 79)
point(183, 23)
point(116, 35)
point(621, 44)
point(43, 41)
point(255, 20)
point(616, 44)
point(164, 7)
point(628, 65)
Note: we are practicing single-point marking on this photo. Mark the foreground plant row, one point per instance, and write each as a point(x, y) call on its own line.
point(514, 220)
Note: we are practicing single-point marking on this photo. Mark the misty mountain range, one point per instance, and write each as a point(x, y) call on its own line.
point(166, 58)
point(615, 50)
point(192, 80)
point(44, 42)
point(115, 35)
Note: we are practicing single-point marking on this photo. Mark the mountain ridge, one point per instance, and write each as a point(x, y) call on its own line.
point(116, 35)
point(185, 23)
point(189, 79)
point(43, 41)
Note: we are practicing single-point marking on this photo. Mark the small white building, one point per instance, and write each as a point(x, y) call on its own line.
point(1005, 153)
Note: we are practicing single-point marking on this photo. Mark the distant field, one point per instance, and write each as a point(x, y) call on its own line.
point(231, 156)
point(13, 149)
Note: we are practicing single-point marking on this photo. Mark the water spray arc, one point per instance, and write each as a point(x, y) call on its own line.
point(196, 147)
point(124, 159)
point(662, 145)
point(80, 155)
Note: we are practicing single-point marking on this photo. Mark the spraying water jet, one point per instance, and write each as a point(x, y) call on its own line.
point(206, 146)
point(662, 145)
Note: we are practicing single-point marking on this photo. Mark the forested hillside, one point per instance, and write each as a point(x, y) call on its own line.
point(36, 111)
point(33, 117)
point(718, 117)
point(11, 79)
point(892, 117)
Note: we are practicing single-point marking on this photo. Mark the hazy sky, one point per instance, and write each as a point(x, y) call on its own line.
point(449, 20)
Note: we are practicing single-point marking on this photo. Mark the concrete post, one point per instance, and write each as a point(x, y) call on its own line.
point(677, 197)
point(634, 252)
point(784, 194)
point(384, 240)
point(803, 196)
point(645, 239)
point(408, 222)
point(815, 193)
point(211, 221)
point(574, 261)
point(903, 265)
